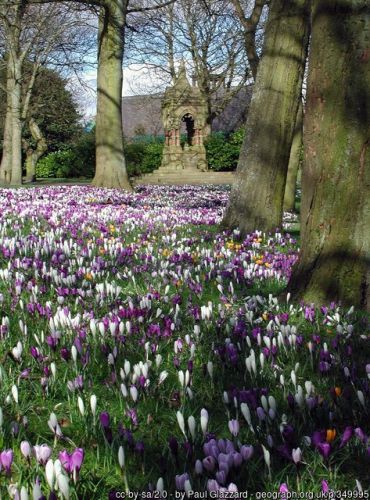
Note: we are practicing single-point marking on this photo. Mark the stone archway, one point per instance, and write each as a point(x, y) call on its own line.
point(189, 124)
point(184, 104)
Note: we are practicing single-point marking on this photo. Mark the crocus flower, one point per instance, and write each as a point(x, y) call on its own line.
point(6, 460)
point(180, 481)
point(234, 427)
point(26, 449)
point(324, 450)
point(283, 489)
point(246, 452)
point(104, 419)
point(209, 463)
point(346, 436)
point(297, 455)
point(42, 453)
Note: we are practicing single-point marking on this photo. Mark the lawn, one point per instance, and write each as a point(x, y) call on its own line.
point(143, 350)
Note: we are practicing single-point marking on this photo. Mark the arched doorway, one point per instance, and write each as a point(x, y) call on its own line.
point(188, 120)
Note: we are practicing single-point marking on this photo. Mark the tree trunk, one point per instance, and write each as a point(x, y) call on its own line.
point(335, 259)
point(256, 200)
point(15, 99)
point(6, 159)
point(33, 155)
point(110, 162)
point(294, 162)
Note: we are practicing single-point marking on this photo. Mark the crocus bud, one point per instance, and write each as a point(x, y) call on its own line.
point(204, 420)
point(81, 405)
point(181, 422)
point(50, 474)
point(93, 402)
point(63, 485)
point(297, 455)
point(160, 485)
point(192, 425)
point(133, 393)
point(24, 494)
point(15, 393)
point(25, 449)
point(121, 457)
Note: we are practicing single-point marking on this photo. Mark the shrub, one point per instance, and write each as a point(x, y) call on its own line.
point(57, 164)
point(152, 157)
point(143, 155)
point(84, 151)
point(223, 151)
point(134, 154)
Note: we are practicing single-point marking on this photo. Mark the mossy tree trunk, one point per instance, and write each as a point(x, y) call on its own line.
point(6, 159)
point(294, 162)
point(335, 259)
point(256, 200)
point(110, 162)
point(34, 154)
point(16, 100)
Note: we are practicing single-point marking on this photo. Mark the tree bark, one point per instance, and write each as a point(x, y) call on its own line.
point(6, 159)
point(335, 261)
point(33, 155)
point(110, 162)
point(294, 163)
point(15, 99)
point(256, 200)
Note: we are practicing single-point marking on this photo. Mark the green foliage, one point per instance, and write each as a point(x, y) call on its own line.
point(152, 157)
point(223, 151)
point(134, 154)
point(143, 155)
point(77, 161)
point(56, 164)
point(84, 155)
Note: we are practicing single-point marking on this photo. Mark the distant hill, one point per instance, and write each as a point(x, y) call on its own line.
point(141, 115)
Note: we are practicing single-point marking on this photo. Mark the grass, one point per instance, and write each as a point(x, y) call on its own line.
point(165, 282)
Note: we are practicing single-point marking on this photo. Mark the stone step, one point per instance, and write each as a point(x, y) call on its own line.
point(201, 178)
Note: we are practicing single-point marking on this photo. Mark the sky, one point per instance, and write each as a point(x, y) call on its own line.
point(137, 79)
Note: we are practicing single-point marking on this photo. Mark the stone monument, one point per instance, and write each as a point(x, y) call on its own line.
point(184, 104)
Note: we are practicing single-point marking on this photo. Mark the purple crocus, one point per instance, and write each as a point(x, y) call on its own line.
point(234, 427)
point(72, 462)
point(6, 460)
point(246, 452)
point(209, 463)
point(324, 450)
point(180, 481)
point(104, 419)
point(346, 436)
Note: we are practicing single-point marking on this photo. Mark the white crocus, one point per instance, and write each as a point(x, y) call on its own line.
point(93, 403)
point(162, 377)
point(134, 393)
point(50, 473)
point(63, 485)
point(81, 405)
point(181, 421)
point(15, 393)
point(24, 494)
point(204, 420)
point(121, 457)
point(192, 426)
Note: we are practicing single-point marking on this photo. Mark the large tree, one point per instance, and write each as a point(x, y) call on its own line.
point(335, 218)
point(110, 163)
point(32, 36)
point(204, 34)
point(256, 200)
